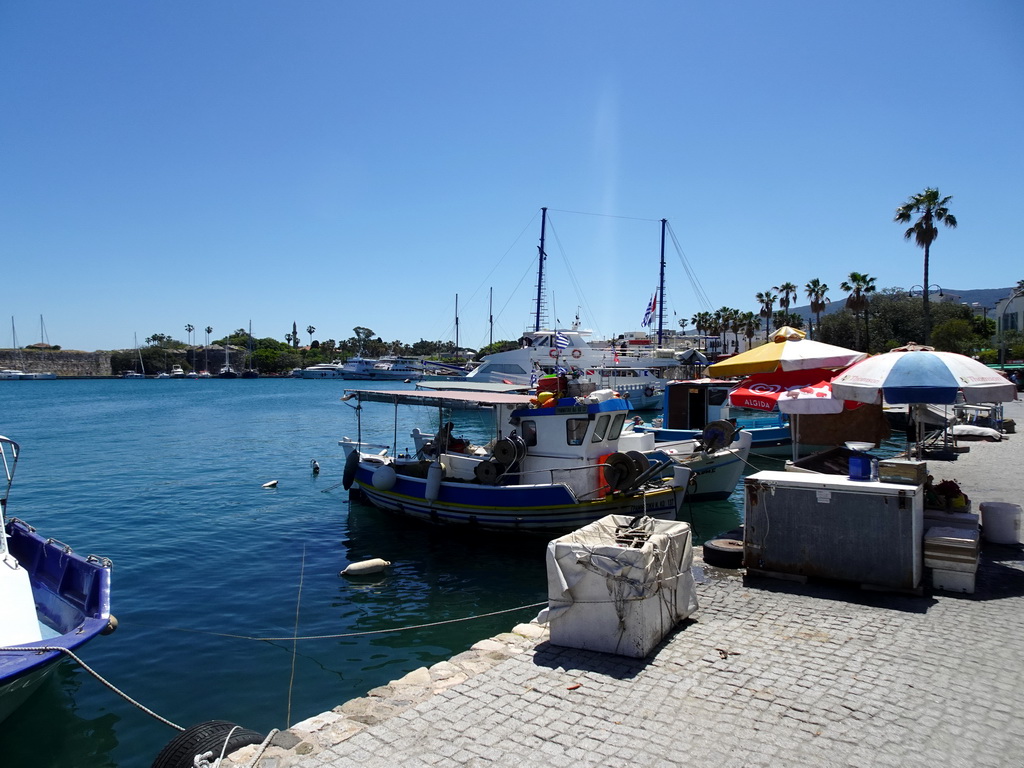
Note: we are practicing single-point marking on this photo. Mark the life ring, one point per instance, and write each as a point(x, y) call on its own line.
point(553, 352)
point(649, 391)
point(577, 354)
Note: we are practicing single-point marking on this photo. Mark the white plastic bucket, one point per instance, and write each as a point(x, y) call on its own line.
point(1000, 522)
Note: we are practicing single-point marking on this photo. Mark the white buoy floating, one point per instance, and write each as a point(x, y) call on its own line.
point(365, 567)
point(313, 465)
point(271, 484)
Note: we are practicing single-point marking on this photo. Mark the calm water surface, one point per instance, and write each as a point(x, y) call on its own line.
point(164, 477)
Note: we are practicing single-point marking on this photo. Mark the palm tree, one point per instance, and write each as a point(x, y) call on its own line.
point(310, 330)
point(816, 291)
point(787, 292)
point(188, 330)
point(767, 301)
point(932, 207)
point(749, 324)
point(858, 285)
point(206, 348)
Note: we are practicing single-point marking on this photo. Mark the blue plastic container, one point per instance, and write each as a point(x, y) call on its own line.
point(860, 466)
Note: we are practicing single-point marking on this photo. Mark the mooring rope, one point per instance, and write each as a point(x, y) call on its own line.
point(98, 676)
point(351, 634)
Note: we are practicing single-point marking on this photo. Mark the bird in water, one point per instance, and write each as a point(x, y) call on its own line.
point(314, 466)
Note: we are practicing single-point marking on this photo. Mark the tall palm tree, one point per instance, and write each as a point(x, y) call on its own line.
point(206, 348)
point(816, 291)
point(725, 318)
point(767, 301)
point(310, 330)
point(787, 292)
point(858, 285)
point(188, 330)
point(932, 208)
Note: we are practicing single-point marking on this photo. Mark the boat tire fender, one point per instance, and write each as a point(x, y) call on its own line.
point(724, 553)
point(349, 475)
point(648, 391)
point(211, 736)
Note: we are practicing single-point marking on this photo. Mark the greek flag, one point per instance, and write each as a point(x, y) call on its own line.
point(561, 340)
point(652, 307)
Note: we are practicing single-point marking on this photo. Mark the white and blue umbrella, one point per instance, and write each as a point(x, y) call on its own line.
point(920, 375)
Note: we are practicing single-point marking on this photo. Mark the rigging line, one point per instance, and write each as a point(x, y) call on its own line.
point(295, 635)
point(694, 281)
point(572, 278)
point(349, 634)
point(602, 215)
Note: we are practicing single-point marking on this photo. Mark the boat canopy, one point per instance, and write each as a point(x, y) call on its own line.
point(441, 398)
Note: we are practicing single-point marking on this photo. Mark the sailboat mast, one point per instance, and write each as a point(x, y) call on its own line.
point(458, 353)
point(490, 317)
point(661, 287)
point(540, 268)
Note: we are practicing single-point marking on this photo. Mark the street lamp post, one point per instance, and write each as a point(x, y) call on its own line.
point(1015, 294)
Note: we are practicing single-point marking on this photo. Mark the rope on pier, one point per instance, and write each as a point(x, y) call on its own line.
point(98, 676)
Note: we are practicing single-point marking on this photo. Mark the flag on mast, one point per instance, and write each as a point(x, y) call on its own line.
point(652, 307)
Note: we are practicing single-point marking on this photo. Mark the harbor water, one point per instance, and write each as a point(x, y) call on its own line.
point(214, 575)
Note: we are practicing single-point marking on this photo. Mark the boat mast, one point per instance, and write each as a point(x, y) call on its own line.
point(661, 287)
point(458, 352)
point(540, 269)
point(490, 317)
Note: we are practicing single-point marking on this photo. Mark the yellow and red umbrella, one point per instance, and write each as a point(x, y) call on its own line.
point(788, 350)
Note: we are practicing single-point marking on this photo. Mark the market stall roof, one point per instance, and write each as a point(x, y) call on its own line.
point(788, 350)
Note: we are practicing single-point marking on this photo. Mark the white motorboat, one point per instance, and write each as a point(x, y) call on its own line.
point(330, 370)
point(358, 367)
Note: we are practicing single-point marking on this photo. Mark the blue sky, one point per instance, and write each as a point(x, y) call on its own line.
point(338, 163)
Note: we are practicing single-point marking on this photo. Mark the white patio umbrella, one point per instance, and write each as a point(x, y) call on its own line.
point(916, 376)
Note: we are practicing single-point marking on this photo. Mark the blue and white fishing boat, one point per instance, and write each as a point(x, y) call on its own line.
point(50, 599)
point(552, 467)
point(690, 406)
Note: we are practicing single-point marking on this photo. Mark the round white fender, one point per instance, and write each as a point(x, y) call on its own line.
point(366, 567)
point(384, 478)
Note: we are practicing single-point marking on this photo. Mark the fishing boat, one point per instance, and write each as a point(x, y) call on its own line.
point(717, 458)
point(554, 464)
point(50, 599)
point(689, 406)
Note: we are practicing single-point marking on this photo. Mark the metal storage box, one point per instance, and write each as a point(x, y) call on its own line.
point(833, 527)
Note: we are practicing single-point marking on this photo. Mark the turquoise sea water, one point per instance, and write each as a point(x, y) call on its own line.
point(164, 477)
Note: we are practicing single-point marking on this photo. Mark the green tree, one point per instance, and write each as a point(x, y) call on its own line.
point(750, 324)
point(310, 330)
point(787, 292)
point(930, 207)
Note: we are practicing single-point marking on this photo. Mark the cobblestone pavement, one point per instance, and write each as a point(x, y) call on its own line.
point(767, 673)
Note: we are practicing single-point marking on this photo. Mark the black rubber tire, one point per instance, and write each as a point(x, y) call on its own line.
point(351, 464)
point(641, 462)
point(205, 737)
point(724, 553)
point(504, 451)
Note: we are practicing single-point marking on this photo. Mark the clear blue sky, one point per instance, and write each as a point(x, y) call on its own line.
point(339, 163)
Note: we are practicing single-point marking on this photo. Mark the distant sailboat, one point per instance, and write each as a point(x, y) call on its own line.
point(249, 372)
point(141, 373)
point(226, 371)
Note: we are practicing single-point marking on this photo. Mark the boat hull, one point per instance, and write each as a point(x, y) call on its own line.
point(546, 507)
point(72, 599)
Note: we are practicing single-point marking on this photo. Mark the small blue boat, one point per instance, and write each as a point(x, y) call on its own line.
point(50, 599)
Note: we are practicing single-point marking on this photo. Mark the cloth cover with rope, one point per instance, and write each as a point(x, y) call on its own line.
point(619, 584)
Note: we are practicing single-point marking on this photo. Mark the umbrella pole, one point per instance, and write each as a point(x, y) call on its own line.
point(794, 433)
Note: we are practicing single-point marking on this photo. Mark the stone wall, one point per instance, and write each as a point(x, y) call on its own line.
point(64, 362)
